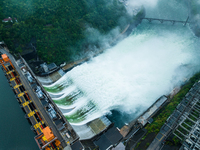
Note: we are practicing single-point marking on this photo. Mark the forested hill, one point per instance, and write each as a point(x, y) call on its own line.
point(195, 17)
point(59, 28)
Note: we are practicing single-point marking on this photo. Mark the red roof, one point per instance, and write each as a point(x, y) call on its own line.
point(7, 19)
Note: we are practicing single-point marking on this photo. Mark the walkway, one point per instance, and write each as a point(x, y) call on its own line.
point(167, 20)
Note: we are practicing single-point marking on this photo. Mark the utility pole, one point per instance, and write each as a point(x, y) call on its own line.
point(186, 21)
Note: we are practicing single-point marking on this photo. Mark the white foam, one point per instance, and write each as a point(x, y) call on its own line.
point(64, 92)
point(132, 75)
point(62, 81)
point(79, 102)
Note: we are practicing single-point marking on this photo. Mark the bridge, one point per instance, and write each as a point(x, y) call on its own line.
point(166, 20)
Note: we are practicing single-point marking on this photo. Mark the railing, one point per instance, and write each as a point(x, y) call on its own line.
point(166, 20)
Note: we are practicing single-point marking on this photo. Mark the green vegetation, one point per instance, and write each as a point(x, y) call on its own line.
point(138, 144)
point(195, 7)
point(160, 119)
point(62, 30)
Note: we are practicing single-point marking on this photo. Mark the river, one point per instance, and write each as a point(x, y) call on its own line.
point(14, 128)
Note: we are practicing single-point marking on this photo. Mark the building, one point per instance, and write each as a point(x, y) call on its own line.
point(9, 19)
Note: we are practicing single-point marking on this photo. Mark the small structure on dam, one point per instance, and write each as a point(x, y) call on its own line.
point(92, 128)
point(108, 139)
point(146, 117)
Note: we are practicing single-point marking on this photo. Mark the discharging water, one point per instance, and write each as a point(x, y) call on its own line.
point(127, 78)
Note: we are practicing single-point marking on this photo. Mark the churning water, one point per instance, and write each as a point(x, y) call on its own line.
point(132, 75)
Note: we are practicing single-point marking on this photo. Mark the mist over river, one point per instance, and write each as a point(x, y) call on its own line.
point(132, 75)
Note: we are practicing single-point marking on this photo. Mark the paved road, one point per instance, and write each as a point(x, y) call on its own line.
point(36, 101)
point(156, 144)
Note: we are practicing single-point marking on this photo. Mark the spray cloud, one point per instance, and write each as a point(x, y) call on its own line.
point(132, 75)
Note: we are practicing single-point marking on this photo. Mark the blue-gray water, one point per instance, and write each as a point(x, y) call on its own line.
point(14, 128)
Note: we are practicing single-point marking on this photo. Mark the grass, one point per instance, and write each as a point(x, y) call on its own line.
point(160, 119)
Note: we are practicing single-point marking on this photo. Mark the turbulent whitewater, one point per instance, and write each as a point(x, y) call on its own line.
point(132, 75)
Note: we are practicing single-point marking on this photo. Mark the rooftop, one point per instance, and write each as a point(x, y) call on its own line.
point(109, 138)
point(77, 146)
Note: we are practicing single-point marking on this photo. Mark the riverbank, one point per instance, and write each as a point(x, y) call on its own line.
point(161, 116)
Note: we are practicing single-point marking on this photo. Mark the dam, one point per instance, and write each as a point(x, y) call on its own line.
point(128, 77)
point(52, 129)
point(132, 75)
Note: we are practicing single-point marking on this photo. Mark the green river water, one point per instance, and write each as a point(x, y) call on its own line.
point(14, 128)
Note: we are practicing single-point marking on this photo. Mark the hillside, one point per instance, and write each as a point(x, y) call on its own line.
point(61, 30)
